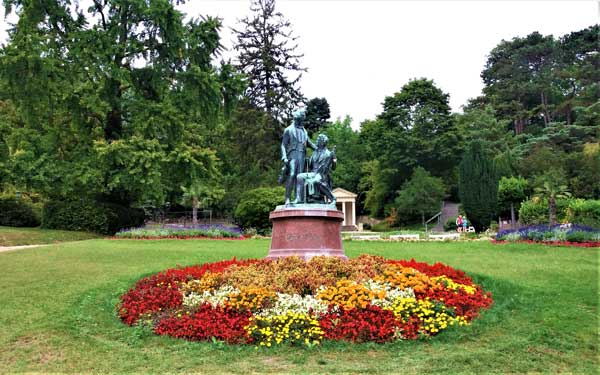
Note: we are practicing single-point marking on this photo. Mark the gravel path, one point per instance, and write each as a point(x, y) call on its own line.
point(11, 248)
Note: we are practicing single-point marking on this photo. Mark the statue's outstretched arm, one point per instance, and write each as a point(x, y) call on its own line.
point(310, 143)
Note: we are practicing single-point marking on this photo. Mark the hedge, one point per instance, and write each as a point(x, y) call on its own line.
point(91, 216)
point(18, 212)
point(585, 212)
point(575, 211)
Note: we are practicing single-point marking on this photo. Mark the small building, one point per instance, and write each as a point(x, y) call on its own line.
point(346, 202)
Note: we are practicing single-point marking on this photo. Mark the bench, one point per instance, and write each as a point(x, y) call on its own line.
point(404, 237)
point(442, 237)
point(366, 238)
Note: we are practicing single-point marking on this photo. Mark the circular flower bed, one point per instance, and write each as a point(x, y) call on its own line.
point(270, 302)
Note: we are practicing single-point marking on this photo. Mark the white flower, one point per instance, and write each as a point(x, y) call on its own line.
point(214, 297)
point(295, 303)
point(392, 293)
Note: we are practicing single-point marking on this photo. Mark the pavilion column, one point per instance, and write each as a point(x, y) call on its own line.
point(353, 213)
point(344, 211)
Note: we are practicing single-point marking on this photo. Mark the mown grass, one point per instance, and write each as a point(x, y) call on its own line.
point(10, 236)
point(57, 313)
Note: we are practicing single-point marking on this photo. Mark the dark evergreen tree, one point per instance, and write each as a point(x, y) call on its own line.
point(478, 186)
point(317, 114)
point(267, 56)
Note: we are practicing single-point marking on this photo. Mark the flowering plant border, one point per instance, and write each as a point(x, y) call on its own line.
point(290, 301)
point(550, 243)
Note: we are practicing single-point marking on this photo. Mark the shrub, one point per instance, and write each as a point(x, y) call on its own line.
point(536, 211)
point(585, 212)
point(88, 215)
point(576, 236)
point(254, 206)
point(383, 226)
point(450, 224)
point(18, 212)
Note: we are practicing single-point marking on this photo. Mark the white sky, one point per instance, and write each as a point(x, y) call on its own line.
point(359, 52)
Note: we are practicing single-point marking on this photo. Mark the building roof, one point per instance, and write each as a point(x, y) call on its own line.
point(342, 193)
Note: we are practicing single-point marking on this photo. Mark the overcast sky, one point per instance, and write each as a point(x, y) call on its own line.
point(359, 52)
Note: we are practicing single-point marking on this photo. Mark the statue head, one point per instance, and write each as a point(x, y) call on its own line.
point(322, 140)
point(299, 115)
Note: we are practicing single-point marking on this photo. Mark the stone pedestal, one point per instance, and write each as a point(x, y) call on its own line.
point(306, 231)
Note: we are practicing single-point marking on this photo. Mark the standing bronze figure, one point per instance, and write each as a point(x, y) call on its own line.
point(293, 152)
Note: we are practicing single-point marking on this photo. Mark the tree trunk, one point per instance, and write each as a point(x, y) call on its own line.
point(195, 211)
point(512, 215)
point(519, 126)
point(544, 110)
point(552, 207)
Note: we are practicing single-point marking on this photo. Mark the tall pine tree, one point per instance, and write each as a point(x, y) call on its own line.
point(267, 56)
point(478, 186)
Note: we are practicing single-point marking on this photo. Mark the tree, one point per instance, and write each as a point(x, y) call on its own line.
point(511, 192)
point(576, 72)
point(478, 186)
point(114, 102)
point(518, 78)
point(201, 195)
point(551, 185)
point(481, 123)
point(317, 114)
point(421, 195)
point(350, 154)
point(267, 57)
point(414, 129)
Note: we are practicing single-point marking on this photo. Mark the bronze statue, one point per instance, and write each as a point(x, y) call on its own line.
point(293, 152)
point(318, 181)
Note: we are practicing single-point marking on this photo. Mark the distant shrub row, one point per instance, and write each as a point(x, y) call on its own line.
point(91, 216)
point(576, 211)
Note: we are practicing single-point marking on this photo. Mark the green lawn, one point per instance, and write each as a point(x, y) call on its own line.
point(57, 313)
point(29, 236)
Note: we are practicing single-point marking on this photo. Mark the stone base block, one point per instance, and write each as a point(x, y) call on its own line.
point(306, 232)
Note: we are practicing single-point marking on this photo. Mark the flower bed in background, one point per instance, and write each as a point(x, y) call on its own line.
point(272, 302)
point(560, 235)
point(181, 232)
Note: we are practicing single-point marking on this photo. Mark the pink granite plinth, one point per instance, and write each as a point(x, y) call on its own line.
point(306, 232)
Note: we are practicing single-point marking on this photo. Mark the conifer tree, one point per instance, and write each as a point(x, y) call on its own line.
point(478, 186)
point(267, 56)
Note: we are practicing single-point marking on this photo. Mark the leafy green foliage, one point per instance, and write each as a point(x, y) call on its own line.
point(478, 186)
point(540, 78)
point(88, 215)
point(550, 185)
point(585, 212)
point(18, 212)
point(414, 129)
point(450, 225)
point(255, 206)
point(115, 100)
point(350, 153)
point(511, 192)
point(421, 195)
point(482, 124)
point(535, 211)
